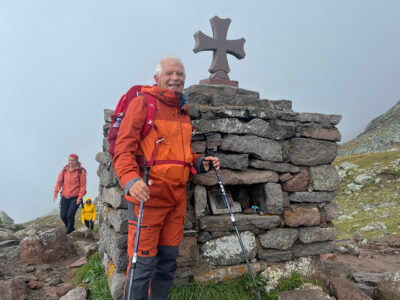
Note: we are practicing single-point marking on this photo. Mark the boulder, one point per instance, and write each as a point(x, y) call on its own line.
point(389, 287)
point(13, 289)
point(76, 293)
point(6, 221)
point(47, 247)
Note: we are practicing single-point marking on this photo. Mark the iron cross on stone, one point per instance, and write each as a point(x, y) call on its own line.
point(219, 44)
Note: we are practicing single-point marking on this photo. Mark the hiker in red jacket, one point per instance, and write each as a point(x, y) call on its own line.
point(171, 164)
point(72, 181)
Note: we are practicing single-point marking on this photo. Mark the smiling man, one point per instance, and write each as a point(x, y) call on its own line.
point(167, 150)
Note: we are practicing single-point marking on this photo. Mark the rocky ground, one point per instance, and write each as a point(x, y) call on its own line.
point(40, 260)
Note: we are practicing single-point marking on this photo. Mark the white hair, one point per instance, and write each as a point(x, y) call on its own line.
point(172, 57)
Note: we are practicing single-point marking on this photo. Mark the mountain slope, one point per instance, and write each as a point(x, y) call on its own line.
point(382, 133)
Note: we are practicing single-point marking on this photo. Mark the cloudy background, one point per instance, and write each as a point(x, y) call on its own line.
point(63, 62)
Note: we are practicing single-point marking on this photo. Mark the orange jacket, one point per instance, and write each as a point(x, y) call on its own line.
point(173, 125)
point(72, 183)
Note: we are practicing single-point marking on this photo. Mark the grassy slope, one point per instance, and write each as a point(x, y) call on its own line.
point(375, 202)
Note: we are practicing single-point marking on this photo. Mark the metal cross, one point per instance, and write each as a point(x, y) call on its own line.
point(219, 68)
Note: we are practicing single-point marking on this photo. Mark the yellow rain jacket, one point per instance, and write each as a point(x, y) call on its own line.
point(88, 212)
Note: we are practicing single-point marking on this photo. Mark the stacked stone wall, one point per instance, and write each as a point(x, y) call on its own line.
point(271, 157)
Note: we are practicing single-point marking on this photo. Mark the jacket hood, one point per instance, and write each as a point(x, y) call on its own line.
point(169, 97)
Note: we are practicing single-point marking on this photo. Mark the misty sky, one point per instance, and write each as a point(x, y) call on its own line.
point(63, 62)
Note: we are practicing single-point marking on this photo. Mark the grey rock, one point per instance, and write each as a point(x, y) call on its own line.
point(278, 167)
point(273, 198)
point(103, 158)
point(260, 148)
point(274, 255)
point(7, 238)
point(318, 131)
point(226, 250)
point(372, 279)
point(213, 137)
point(114, 197)
point(108, 115)
point(231, 177)
point(115, 244)
point(324, 178)
point(282, 239)
point(299, 250)
point(313, 197)
point(76, 293)
point(203, 236)
point(309, 294)
point(310, 152)
point(199, 146)
point(309, 235)
point(49, 246)
point(223, 223)
point(389, 286)
point(330, 211)
point(200, 201)
point(215, 95)
point(117, 219)
point(277, 130)
point(6, 221)
point(363, 179)
point(107, 176)
point(234, 161)
point(13, 289)
point(318, 118)
point(232, 113)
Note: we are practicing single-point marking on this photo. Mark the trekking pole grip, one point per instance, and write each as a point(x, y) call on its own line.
point(146, 175)
point(210, 152)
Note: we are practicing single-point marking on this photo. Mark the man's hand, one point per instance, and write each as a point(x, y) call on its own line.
point(55, 198)
point(140, 191)
point(78, 201)
point(215, 162)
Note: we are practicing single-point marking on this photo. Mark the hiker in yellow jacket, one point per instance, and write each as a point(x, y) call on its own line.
point(88, 213)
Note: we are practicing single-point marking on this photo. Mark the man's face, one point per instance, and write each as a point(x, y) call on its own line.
point(172, 76)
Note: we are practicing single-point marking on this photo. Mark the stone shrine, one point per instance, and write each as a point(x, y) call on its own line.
point(271, 157)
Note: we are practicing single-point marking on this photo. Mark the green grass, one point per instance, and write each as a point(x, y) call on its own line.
point(375, 202)
point(241, 288)
point(92, 275)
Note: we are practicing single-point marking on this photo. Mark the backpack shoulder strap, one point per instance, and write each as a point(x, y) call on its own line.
point(150, 116)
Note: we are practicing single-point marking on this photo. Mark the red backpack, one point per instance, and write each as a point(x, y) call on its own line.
point(119, 114)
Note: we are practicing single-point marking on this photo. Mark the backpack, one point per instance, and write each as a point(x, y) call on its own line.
point(120, 111)
point(79, 173)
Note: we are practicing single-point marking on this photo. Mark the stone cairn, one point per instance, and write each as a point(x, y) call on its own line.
point(276, 168)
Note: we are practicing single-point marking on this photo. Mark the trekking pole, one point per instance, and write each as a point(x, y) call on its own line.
point(210, 152)
point(135, 248)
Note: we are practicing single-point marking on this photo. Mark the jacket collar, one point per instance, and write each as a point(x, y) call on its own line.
point(171, 98)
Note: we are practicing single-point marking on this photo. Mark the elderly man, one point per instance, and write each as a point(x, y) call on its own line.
point(168, 147)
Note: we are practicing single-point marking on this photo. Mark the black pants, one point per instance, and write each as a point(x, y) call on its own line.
point(89, 224)
point(157, 271)
point(67, 213)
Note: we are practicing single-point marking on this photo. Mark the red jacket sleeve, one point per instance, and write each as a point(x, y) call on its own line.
point(128, 140)
point(59, 183)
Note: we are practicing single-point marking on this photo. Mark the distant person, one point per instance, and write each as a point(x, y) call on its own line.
point(72, 181)
point(88, 213)
point(165, 197)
